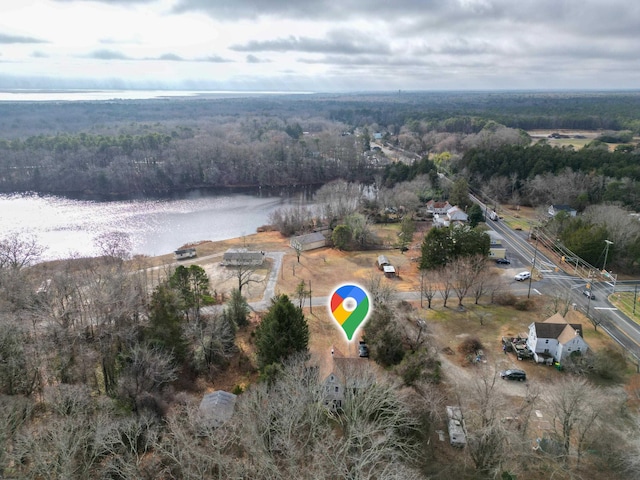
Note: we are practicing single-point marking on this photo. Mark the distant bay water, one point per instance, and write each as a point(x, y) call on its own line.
point(67, 227)
point(64, 95)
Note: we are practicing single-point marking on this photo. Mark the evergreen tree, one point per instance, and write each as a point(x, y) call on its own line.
point(165, 322)
point(192, 286)
point(475, 215)
point(342, 236)
point(436, 249)
point(282, 332)
point(237, 309)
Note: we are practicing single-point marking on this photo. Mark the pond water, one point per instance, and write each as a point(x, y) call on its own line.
point(67, 227)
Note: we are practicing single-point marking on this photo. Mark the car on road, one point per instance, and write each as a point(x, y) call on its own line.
point(513, 374)
point(522, 276)
point(363, 350)
point(589, 294)
point(503, 261)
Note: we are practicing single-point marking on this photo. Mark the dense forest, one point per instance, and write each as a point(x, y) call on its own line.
point(158, 146)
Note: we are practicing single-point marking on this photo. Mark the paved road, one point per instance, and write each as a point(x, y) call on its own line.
point(569, 283)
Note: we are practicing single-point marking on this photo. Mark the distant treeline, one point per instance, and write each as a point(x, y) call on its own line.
point(464, 112)
point(159, 146)
point(234, 152)
point(613, 175)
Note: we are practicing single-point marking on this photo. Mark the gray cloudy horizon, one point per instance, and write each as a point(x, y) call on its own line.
point(321, 45)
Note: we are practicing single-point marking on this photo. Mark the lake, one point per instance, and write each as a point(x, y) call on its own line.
point(67, 227)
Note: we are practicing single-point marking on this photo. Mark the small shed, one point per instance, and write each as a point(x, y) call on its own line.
point(242, 256)
point(218, 406)
point(382, 261)
point(309, 241)
point(389, 271)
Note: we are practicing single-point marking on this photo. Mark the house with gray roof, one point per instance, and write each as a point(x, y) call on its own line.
point(309, 241)
point(241, 256)
point(555, 339)
point(218, 406)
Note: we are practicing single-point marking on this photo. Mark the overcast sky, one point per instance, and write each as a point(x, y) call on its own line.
point(320, 45)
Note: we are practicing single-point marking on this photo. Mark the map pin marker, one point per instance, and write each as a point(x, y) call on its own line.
point(349, 306)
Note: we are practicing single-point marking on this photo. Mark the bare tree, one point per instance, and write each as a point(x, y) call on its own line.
point(114, 245)
point(19, 250)
point(382, 292)
point(147, 371)
point(244, 274)
point(576, 406)
point(462, 277)
point(445, 278)
point(486, 435)
point(428, 287)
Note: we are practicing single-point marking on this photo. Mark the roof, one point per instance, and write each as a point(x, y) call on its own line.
point(389, 269)
point(309, 238)
point(566, 208)
point(218, 405)
point(242, 254)
point(434, 204)
point(382, 260)
point(557, 327)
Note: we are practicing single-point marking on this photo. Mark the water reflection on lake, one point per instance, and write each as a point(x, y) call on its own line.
point(67, 227)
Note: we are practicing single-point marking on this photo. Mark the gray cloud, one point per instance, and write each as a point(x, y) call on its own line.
point(345, 43)
point(253, 59)
point(39, 54)
point(213, 59)
point(6, 39)
point(172, 57)
point(108, 55)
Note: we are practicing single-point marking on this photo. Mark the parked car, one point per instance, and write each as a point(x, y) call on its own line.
point(503, 261)
point(363, 350)
point(589, 294)
point(513, 374)
point(522, 276)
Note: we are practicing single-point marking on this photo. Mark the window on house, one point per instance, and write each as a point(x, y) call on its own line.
point(337, 389)
point(546, 341)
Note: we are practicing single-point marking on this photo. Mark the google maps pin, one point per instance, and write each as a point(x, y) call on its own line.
point(349, 306)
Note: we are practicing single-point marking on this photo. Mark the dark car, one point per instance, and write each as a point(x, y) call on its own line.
point(589, 294)
point(363, 350)
point(513, 374)
point(503, 261)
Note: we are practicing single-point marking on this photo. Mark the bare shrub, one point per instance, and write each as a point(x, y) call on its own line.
point(470, 346)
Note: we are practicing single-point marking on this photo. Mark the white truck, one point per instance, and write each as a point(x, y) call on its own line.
point(493, 215)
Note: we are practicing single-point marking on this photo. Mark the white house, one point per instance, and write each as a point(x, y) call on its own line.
point(555, 339)
point(455, 214)
point(439, 208)
point(554, 209)
point(346, 375)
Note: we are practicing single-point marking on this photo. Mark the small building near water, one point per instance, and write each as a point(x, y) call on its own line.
point(242, 256)
point(309, 241)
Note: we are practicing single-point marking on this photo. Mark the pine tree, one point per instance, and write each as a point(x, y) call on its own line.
point(282, 332)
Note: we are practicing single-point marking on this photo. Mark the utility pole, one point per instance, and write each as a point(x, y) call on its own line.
point(533, 266)
point(606, 252)
point(310, 299)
